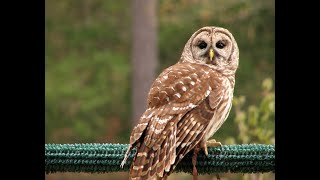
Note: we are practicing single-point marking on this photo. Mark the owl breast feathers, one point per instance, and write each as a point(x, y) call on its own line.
point(187, 104)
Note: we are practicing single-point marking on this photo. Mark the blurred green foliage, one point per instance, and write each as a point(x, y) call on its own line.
point(81, 94)
point(87, 62)
point(255, 123)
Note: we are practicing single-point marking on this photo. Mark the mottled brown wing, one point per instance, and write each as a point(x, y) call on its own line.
point(177, 90)
point(175, 97)
point(193, 126)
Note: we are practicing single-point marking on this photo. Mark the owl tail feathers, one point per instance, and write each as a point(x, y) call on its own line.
point(126, 156)
point(144, 163)
point(155, 160)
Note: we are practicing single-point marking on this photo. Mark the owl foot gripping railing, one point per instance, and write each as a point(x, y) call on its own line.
point(104, 158)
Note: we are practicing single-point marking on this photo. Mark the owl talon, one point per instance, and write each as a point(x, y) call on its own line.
point(213, 143)
point(210, 143)
point(205, 149)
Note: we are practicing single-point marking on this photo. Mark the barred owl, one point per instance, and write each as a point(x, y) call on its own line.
point(187, 104)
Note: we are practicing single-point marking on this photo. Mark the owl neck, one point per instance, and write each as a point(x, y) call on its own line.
point(232, 80)
point(229, 74)
point(224, 71)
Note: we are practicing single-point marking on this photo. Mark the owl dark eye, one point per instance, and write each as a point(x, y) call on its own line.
point(220, 44)
point(202, 45)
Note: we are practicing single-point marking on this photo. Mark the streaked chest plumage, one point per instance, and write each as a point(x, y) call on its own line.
point(222, 110)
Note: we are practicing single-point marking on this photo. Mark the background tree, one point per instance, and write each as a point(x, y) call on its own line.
point(144, 53)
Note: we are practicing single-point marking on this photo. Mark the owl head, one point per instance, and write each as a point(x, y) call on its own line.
point(213, 46)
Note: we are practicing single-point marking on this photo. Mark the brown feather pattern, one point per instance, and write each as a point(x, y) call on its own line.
point(187, 103)
point(171, 128)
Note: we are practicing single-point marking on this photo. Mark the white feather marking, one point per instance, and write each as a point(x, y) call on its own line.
point(192, 83)
point(142, 124)
point(171, 137)
point(184, 88)
point(207, 72)
point(181, 82)
point(150, 115)
point(208, 92)
point(142, 154)
point(165, 77)
point(137, 135)
point(192, 105)
point(178, 95)
point(164, 157)
point(175, 108)
point(137, 167)
point(164, 92)
point(193, 123)
point(162, 121)
point(188, 77)
point(157, 131)
point(172, 88)
point(167, 98)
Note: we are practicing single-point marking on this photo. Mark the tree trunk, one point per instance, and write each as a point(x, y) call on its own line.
point(144, 53)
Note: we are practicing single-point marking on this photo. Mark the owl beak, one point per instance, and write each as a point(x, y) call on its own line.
point(211, 54)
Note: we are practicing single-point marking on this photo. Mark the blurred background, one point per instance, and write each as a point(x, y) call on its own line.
point(101, 57)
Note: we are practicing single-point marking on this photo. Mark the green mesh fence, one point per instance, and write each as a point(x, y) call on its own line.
point(104, 158)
